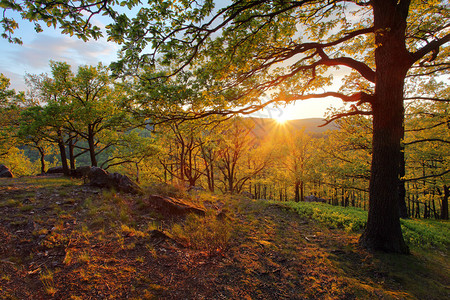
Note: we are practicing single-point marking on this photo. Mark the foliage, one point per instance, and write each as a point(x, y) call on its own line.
point(70, 19)
point(19, 163)
point(349, 218)
point(418, 233)
point(9, 110)
point(81, 112)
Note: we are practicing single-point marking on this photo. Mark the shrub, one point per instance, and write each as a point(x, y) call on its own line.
point(207, 233)
point(164, 189)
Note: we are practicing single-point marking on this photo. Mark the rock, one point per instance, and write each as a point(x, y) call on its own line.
point(312, 198)
point(80, 172)
point(248, 195)
point(196, 189)
point(5, 172)
point(124, 184)
point(171, 206)
point(100, 178)
point(55, 170)
point(222, 215)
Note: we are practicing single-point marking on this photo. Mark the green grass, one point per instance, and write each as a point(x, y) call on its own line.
point(417, 233)
point(40, 182)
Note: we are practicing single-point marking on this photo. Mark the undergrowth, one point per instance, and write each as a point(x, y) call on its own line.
point(416, 232)
point(209, 233)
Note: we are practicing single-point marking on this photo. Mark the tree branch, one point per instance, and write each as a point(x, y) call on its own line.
point(425, 177)
point(426, 140)
point(427, 98)
point(342, 115)
point(432, 46)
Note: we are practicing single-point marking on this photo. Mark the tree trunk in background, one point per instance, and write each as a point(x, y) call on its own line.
point(42, 158)
point(302, 191)
point(62, 152)
point(297, 191)
point(444, 206)
point(403, 210)
point(71, 155)
point(91, 143)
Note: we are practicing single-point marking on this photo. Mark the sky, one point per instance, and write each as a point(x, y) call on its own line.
point(38, 49)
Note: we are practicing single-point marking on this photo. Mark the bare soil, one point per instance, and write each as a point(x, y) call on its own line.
point(60, 239)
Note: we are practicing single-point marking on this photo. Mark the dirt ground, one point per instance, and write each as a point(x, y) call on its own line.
point(63, 240)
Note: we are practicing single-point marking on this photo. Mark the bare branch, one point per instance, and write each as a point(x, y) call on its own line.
point(427, 128)
point(427, 140)
point(425, 177)
point(350, 113)
point(432, 46)
point(428, 98)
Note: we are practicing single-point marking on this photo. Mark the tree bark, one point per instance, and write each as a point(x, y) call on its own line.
point(62, 151)
point(91, 142)
point(42, 158)
point(403, 210)
point(297, 192)
point(71, 154)
point(383, 231)
point(444, 206)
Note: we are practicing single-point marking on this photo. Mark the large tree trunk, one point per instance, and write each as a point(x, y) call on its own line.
point(383, 231)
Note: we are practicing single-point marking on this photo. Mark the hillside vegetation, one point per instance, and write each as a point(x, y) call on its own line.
point(62, 239)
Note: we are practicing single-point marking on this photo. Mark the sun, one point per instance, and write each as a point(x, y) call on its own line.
point(281, 119)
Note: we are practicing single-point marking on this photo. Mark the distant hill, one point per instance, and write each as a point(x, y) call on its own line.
point(311, 126)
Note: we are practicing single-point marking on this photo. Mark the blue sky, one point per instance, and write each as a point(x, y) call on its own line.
point(39, 48)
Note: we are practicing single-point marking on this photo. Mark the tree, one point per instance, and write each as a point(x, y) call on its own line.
point(379, 39)
point(297, 161)
point(346, 154)
point(239, 157)
point(131, 152)
point(428, 170)
point(45, 124)
point(183, 151)
point(10, 110)
point(94, 107)
point(76, 107)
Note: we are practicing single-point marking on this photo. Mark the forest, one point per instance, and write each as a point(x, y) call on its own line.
point(71, 120)
point(219, 203)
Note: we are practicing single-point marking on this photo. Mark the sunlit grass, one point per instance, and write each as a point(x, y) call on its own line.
point(417, 233)
point(46, 278)
point(40, 182)
point(204, 233)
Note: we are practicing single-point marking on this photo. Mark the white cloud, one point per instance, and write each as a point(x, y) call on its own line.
point(33, 56)
point(63, 48)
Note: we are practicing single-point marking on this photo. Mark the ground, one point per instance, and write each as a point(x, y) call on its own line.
point(61, 239)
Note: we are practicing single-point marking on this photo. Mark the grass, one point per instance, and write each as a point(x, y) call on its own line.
point(39, 182)
point(46, 278)
point(418, 233)
point(209, 233)
point(98, 243)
